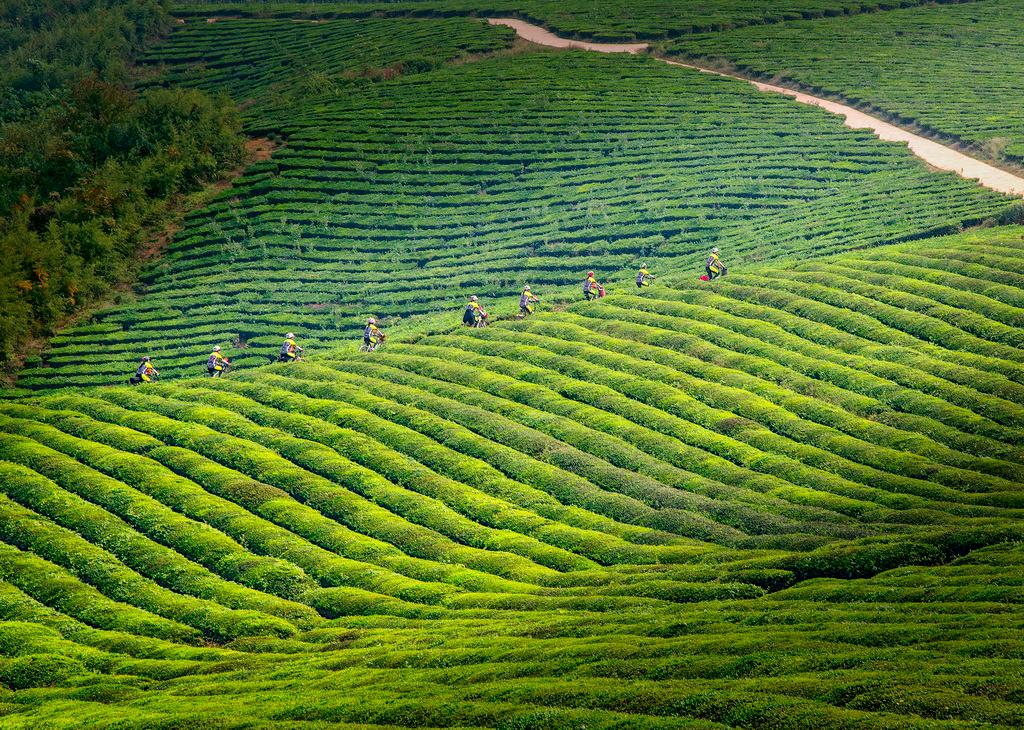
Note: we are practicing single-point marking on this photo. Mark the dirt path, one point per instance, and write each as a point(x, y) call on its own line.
point(542, 37)
point(935, 154)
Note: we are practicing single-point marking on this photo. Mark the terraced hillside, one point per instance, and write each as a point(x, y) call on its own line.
point(409, 195)
point(613, 20)
point(952, 70)
point(285, 60)
point(793, 495)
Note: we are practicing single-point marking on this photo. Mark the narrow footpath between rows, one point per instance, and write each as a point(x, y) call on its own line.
point(935, 154)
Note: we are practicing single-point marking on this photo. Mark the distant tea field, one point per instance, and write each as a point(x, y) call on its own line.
point(952, 70)
point(276, 61)
point(607, 20)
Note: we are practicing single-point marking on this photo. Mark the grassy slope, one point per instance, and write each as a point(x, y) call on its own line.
point(406, 196)
point(590, 517)
point(953, 70)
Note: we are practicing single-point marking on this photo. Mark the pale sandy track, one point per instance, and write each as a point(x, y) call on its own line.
point(935, 154)
point(538, 35)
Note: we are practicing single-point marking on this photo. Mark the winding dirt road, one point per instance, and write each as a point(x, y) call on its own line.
point(935, 154)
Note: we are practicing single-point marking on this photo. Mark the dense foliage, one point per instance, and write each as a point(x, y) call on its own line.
point(86, 162)
point(405, 197)
point(953, 70)
point(792, 494)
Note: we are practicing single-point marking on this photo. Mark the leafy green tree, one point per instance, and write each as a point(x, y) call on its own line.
point(87, 161)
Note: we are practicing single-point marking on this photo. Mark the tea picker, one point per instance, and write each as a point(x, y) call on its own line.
point(145, 373)
point(373, 336)
point(216, 363)
point(290, 352)
point(713, 266)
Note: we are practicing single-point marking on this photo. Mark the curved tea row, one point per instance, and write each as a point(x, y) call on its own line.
point(506, 519)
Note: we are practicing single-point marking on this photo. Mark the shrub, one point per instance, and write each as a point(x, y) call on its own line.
point(38, 670)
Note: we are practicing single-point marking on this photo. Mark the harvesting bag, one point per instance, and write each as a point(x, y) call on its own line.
point(600, 291)
point(705, 277)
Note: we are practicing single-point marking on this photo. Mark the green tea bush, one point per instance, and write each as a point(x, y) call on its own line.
point(348, 507)
point(38, 670)
point(203, 545)
point(751, 365)
point(408, 472)
point(58, 588)
point(110, 575)
point(712, 391)
point(564, 486)
point(145, 555)
point(898, 386)
point(442, 459)
point(318, 460)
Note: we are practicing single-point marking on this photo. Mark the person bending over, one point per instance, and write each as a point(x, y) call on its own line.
point(474, 316)
point(216, 363)
point(145, 373)
point(644, 277)
point(713, 265)
point(290, 352)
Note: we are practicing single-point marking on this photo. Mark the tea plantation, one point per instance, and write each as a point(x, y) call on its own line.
point(952, 70)
point(603, 20)
point(792, 496)
point(406, 196)
point(286, 60)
